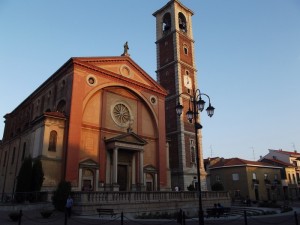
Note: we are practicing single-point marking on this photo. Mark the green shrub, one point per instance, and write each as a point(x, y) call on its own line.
point(61, 194)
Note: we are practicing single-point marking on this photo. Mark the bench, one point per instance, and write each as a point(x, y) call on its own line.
point(103, 211)
point(217, 212)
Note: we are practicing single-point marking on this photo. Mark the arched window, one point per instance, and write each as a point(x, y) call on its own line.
point(166, 22)
point(185, 49)
point(13, 156)
point(52, 141)
point(182, 22)
point(61, 107)
point(24, 151)
point(4, 161)
point(193, 154)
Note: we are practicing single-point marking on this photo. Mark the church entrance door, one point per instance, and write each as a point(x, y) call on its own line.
point(122, 177)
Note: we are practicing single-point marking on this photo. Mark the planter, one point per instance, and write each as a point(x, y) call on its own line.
point(46, 213)
point(15, 216)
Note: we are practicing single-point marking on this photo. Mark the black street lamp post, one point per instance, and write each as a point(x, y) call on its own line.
point(192, 114)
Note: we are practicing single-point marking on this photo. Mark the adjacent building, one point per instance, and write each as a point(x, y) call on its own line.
point(290, 161)
point(258, 181)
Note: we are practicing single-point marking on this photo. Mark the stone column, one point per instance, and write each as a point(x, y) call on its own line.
point(115, 166)
point(97, 180)
point(155, 182)
point(141, 169)
point(133, 173)
point(80, 179)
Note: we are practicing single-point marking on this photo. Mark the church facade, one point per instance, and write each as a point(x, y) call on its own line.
point(97, 122)
point(100, 122)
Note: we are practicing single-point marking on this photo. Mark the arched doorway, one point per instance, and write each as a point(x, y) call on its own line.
point(87, 180)
point(88, 175)
point(150, 178)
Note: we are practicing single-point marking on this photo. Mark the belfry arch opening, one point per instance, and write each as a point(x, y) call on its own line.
point(166, 26)
point(182, 22)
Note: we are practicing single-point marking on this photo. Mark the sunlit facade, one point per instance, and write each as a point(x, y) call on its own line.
point(96, 122)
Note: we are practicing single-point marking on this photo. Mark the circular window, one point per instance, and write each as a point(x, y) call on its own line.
point(125, 71)
point(121, 114)
point(153, 100)
point(91, 80)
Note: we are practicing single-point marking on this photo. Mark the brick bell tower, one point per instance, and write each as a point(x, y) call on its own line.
point(176, 72)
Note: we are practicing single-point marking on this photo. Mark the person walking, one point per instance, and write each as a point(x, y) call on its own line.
point(69, 205)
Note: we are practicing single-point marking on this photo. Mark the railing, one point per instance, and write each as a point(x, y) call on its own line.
point(111, 197)
point(38, 196)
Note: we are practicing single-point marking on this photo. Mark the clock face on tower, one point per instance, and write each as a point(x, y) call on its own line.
point(187, 81)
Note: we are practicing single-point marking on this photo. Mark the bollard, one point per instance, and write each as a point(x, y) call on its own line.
point(245, 217)
point(20, 217)
point(183, 218)
point(122, 218)
point(179, 217)
point(66, 217)
point(296, 218)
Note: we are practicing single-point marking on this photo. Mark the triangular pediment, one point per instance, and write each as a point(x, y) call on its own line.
point(121, 67)
point(150, 169)
point(89, 163)
point(129, 138)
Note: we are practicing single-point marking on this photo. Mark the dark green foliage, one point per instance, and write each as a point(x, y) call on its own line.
point(218, 186)
point(61, 194)
point(25, 175)
point(30, 179)
point(37, 175)
point(24, 180)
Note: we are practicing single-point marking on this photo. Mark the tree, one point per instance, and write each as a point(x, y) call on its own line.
point(61, 194)
point(24, 179)
point(37, 175)
point(30, 179)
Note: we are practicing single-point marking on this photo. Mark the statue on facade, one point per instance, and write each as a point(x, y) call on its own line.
point(125, 49)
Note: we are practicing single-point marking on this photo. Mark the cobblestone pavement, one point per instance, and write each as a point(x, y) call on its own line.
point(33, 217)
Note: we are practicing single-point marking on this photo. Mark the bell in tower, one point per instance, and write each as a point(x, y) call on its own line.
point(182, 22)
point(166, 22)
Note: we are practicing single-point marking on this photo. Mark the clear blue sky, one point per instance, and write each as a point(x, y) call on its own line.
point(247, 56)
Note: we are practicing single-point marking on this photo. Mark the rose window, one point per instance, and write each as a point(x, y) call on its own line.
point(121, 114)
